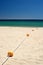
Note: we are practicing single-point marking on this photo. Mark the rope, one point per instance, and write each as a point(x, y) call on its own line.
point(14, 51)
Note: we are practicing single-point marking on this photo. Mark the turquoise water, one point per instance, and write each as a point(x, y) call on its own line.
point(22, 23)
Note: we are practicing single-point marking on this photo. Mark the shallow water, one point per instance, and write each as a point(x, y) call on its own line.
point(28, 23)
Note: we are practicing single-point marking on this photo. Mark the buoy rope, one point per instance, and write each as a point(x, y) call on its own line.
point(14, 51)
point(5, 60)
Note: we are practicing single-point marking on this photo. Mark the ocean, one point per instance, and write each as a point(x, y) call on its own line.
point(22, 23)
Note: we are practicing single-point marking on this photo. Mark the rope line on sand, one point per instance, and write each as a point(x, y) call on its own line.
point(14, 51)
point(5, 60)
point(19, 44)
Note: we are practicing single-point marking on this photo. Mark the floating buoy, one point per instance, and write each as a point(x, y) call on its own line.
point(32, 30)
point(27, 35)
point(10, 54)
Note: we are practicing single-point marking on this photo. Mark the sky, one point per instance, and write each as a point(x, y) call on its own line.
point(21, 9)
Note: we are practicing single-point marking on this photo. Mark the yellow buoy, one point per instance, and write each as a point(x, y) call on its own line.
point(27, 35)
point(10, 53)
point(32, 29)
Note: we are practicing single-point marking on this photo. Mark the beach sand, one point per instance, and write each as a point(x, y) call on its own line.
point(30, 52)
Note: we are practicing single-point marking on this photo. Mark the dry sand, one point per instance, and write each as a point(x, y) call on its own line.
point(30, 51)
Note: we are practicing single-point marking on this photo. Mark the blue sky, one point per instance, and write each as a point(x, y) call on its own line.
point(18, 9)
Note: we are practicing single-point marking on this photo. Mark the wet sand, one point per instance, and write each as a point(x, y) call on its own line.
point(30, 51)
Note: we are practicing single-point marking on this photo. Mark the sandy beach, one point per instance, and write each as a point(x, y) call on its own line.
point(30, 52)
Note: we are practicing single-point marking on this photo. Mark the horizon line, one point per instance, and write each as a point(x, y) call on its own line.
point(21, 19)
